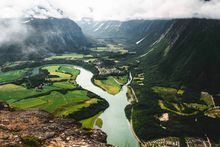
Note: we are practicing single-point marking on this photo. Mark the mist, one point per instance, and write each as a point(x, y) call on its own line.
point(112, 9)
point(13, 31)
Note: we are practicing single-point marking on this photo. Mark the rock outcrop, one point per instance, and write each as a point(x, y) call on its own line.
point(39, 128)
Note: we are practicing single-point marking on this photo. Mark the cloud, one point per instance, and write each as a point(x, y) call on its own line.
point(13, 31)
point(114, 9)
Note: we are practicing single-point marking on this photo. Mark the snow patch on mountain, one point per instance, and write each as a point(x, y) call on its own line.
point(99, 27)
point(138, 42)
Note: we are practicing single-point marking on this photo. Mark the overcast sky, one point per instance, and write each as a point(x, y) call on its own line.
point(114, 9)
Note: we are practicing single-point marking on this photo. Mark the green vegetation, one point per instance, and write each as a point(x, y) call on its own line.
point(172, 101)
point(12, 92)
point(53, 88)
point(72, 56)
point(139, 79)
point(55, 75)
point(73, 108)
point(112, 84)
point(182, 106)
point(111, 48)
point(208, 99)
point(12, 75)
point(52, 101)
point(99, 122)
point(31, 141)
point(89, 123)
point(69, 70)
point(64, 85)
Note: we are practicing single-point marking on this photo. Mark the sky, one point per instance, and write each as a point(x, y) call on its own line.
point(112, 9)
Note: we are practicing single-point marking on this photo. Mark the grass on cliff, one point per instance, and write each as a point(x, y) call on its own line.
point(90, 122)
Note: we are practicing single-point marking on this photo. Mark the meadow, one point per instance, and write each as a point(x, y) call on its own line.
point(12, 75)
point(72, 56)
point(112, 84)
point(57, 93)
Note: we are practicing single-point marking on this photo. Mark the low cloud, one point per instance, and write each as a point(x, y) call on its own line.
point(114, 9)
point(13, 31)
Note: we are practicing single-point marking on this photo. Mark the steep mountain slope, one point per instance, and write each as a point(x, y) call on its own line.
point(187, 55)
point(41, 37)
point(182, 51)
point(177, 69)
point(136, 34)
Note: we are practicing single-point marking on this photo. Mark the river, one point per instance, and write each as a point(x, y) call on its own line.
point(115, 124)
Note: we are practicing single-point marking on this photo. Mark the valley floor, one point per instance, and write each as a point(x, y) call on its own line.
point(161, 114)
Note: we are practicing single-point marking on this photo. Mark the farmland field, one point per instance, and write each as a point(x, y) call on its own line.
point(12, 75)
point(57, 93)
point(112, 84)
point(110, 48)
point(72, 56)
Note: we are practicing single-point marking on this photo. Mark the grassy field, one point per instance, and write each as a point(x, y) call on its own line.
point(52, 101)
point(55, 74)
point(62, 72)
point(110, 48)
point(90, 122)
point(64, 85)
point(72, 56)
point(112, 84)
point(62, 77)
point(57, 93)
point(12, 92)
point(12, 75)
point(69, 70)
point(73, 108)
point(172, 100)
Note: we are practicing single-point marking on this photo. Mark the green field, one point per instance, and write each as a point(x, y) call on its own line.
point(172, 100)
point(12, 92)
point(72, 56)
point(55, 74)
point(73, 108)
point(12, 75)
point(90, 122)
point(112, 84)
point(52, 101)
point(57, 93)
point(110, 48)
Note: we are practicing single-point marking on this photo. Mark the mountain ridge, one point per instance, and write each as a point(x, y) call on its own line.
point(43, 37)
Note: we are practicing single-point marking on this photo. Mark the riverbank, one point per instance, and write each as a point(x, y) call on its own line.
point(115, 124)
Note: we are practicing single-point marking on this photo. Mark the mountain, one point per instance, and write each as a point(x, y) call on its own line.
point(186, 55)
point(181, 51)
point(41, 37)
point(136, 34)
point(176, 62)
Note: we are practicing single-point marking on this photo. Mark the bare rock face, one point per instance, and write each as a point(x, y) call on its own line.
point(39, 128)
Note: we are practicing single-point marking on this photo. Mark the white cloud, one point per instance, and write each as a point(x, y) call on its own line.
point(116, 9)
point(13, 31)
